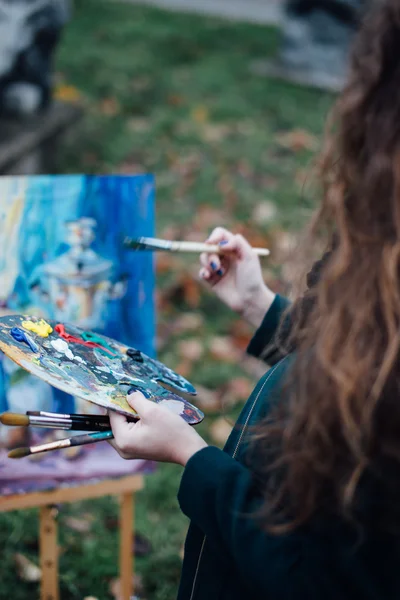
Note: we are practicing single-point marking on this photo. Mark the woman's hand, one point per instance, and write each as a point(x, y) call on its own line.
point(236, 276)
point(159, 434)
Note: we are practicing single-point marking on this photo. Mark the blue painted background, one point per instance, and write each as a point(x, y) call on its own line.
point(122, 206)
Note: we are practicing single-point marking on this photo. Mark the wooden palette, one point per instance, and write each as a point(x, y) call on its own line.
point(93, 367)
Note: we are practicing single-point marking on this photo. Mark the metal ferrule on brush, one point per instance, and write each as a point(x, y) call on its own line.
point(145, 243)
point(50, 423)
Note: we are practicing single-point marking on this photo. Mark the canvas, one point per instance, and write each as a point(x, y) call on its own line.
point(62, 258)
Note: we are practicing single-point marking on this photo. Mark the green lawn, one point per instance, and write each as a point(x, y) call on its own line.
point(173, 95)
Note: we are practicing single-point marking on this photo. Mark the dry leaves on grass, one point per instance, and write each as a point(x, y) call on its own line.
point(186, 289)
point(190, 349)
point(237, 390)
point(188, 321)
point(110, 107)
point(207, 218)
point(26, 569)
point(220, 431)
point(115, 587)
point(264, 213)
point(79, 525)
point(207, 400)
point(241, 334)
point(66, 93)
point(222, 348)
point(184, 368)
point(200, 114)
point(215, 132)
point(298, 140)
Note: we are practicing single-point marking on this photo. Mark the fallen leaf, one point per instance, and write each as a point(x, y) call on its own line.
point(253, 367)
point(26, 569)
point(166, 263)
point(223, 349)
point(115, 587)
point(255, 238)
point(175, 100)
point(227, 188)
point(76, 524)
point(188, 322)
point(200, 114)
point(110, 107)
point(241, 333)
point(220, 431)
point(207, 400)
point(215, 132)
point(207, 218)
point(170, 232)
point(264, 213)
point(238, 390)
point(285, 242)
point(190, 349)
point(66, 93)
point(138, 124)
point(297, 140)
point(184, 368)
point(186, 289)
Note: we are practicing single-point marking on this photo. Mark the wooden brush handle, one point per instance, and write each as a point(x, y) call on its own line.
point(209, 248)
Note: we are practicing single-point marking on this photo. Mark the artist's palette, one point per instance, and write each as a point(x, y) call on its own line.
point(91, 366)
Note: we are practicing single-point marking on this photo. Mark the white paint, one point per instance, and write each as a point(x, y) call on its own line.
point(60, 345)
point(174, 406)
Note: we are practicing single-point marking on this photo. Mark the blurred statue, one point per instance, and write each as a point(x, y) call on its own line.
point(29, 32)
point(317, 35)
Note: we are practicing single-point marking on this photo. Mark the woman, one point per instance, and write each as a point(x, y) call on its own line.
point(304, 501)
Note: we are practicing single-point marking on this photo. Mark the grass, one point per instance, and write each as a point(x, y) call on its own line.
point(173, 94)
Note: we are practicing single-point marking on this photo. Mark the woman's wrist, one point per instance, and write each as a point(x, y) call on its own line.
point(257, 307)
point(190, 449)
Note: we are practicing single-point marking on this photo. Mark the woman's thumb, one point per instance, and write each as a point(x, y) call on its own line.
point(139, 403)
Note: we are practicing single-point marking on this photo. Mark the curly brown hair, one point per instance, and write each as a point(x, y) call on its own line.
point(336, 441)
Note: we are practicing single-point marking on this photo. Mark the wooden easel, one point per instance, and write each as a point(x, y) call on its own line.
point(47, 501)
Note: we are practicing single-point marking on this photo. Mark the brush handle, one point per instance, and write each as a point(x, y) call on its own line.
point(199, 247)
point(73, 417)
point(90, 438)
point(78, 440)
point(68, 425)
point(72, 422)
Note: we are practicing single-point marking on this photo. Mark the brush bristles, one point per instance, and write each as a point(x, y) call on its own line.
point(14, 419)
point(19, 453)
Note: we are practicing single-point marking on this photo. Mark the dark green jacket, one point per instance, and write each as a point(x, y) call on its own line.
point(228, 557)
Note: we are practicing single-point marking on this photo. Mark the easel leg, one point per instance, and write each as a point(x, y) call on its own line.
point(126, 545)
point(49, 553)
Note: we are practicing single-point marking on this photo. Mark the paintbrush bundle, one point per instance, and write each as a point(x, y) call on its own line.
point(93, 367)
point(98, 425)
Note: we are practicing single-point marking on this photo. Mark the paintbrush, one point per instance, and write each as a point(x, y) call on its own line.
point(146, 243)
point(73, 416)
point(78, 440)
point(53, 422)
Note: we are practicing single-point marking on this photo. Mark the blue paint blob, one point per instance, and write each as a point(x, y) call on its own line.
point(21, 336)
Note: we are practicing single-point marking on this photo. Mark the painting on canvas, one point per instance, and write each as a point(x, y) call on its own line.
point(62, 258)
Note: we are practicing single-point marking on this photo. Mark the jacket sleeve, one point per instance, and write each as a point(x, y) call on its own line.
point(219, 496)
point(263, 344)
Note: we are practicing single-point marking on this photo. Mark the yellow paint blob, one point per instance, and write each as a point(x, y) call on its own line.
point(41, 328)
